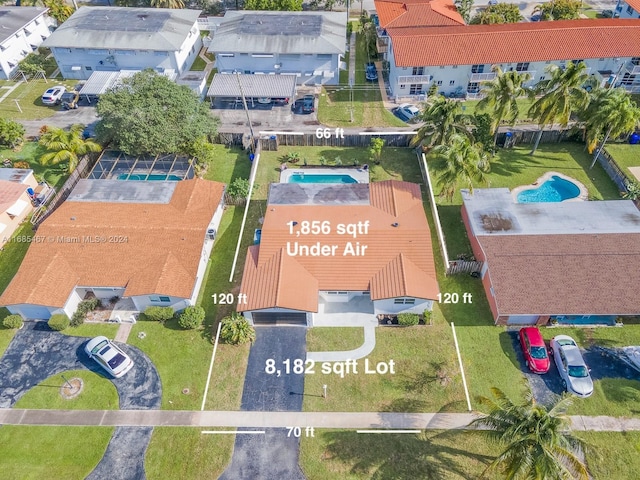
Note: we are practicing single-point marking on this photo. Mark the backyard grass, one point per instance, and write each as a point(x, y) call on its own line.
point(198, 65)
point(98, 393)
point(29, 98)
point(625, 155)
point(12, 254)
point(335, 105)
point(30, 152)
point(470, 107)
point(426, 375)
point(187, 453)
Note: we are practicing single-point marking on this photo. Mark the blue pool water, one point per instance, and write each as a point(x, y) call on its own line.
point(157, 177)
point(587, 319)
point(555, 189)
point(320, 178)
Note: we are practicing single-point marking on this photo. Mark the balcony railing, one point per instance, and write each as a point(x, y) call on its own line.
point(413, 79)
point(633, 69)
point(632, 88)
point(474, 96)
point(482, 77)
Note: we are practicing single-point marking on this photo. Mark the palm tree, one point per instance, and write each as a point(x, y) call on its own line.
point(461, 161)
point(66, 146)
point(167, 3)
point(501, 97)
point(538, 445)
point(237, 330)
point(566, 91)
point(610, 110)
point(443, 117)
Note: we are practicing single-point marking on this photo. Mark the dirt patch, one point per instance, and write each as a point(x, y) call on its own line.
point(72, 388)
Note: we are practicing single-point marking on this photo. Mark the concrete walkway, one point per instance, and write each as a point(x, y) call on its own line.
point(352, 59)
point(253, 420)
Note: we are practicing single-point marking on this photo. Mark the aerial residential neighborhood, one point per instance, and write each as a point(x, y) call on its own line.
point(388, 239)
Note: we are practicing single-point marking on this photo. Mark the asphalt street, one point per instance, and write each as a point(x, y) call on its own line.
point(274, 455)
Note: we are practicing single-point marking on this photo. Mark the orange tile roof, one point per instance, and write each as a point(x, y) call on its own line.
point(418, 13)
point(159, 252)
point(398, 260)
point(635, 4)
point(576, 274)
point(516, 42)
point(10, 193)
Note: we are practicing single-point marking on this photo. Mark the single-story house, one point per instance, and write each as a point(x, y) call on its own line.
point(309, 45)
point(22, 31)
point(372, 247)
point(147, 241)
point(15, 200)
point(573, 261)
point(122, 38)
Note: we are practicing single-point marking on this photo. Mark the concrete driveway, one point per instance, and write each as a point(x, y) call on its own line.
point(62, 119)
point(36, 353)
point(273, 455)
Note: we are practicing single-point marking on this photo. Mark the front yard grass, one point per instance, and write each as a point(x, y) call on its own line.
point(616, 454)
point(12, 254)
point(625, 155)
point(6, 334)
point(91, 330)
point(30, 101)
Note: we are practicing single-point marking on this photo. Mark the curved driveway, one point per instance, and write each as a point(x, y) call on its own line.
point(36, 353)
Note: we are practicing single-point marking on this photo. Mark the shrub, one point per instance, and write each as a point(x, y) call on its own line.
point(12, 321)
point(408, 319)
point(21, 165)
point(159, 314)
point(11, 133)
point(426, 315)
point(84, 307)
point(58, 322)
point(292, 157)
point(191, 317)
point(239, 188)
point(237, 330)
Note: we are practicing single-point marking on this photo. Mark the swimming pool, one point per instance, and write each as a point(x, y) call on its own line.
point(555, 189)
point(320, 178)
point(154, 177)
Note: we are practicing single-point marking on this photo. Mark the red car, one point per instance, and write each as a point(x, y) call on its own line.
point(535, 351)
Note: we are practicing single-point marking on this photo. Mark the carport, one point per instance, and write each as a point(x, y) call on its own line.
point(231, 87)
point(100, 82)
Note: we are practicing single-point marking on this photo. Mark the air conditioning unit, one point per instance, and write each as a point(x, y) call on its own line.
point(211, 234)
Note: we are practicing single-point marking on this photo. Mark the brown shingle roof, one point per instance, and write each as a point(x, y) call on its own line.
point(10, 193)
point(564, 274)
point(515, 42)
point(156, 250)
point(418, 13)
point(401, 254)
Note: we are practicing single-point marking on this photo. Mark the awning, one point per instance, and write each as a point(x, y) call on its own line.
point(274, 86)
point(17, 208)
point(98, 83)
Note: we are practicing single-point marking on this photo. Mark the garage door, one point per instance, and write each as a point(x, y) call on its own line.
point(34, 312)
point(275, 318)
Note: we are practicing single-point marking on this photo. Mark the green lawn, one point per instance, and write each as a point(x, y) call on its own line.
point(625, 156)
point(198, 65)
point(335, 105)
point(616, 454)
point(12, 254)
point(30, 152)
point(98, 393)
point(524, 103)
point(29, 98)
point(6, 334)
point(109, 330)
point(187, 453)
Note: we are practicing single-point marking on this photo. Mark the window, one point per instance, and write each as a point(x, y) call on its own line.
point(629, 9)
point(418, 71)
point(575, 62)
point(522, 67)
point(542, 77)
point(404, 301)
point(439, 82)
point(338, 293)
point(402, 87)
point(226, 55)
point(165, 299)
point(635, 61)
point(88, 68)
point(452, 83)
point(477, 68)
point(324, 56)
point(442, 66)
point(473, 87)
point(601, 59)
point(415, 89)
point(455, 66)
point(262, 55)
point(628, 79)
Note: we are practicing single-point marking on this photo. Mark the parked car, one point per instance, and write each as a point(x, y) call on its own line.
point(534, 349)
point(536, 17)
point(109, 356)
point(406, 112)
point(304, 105)
point(370, 72)
point(573, 371)
point(609, 14)
point(53, 95)
point(493, 2)
point(69, 100)
point(264, 100)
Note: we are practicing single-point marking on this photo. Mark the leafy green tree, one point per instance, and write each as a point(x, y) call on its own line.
point(375, 149)
point(237, 330)
point(203, 153)
point(501, 97)
point(559, 10)
point(143, 115)
point(32, 64)
point(66, 146)
point(564, 92)
point(498, 13)
point(280, 5)
point(536, 439)
point(11, 133)
point(58, 10)
point(460, 162)
point(167, 3)
point(442, 118)
point(433, 90)
point(464, 8)
point(611, 112)
point(239, 188)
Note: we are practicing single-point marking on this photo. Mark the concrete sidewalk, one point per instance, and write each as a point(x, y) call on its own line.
point(339, 420)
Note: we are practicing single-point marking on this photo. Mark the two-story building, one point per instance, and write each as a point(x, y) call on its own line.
point(22, 30)
point(627, 9)
point(114, 39)
point(309, 45)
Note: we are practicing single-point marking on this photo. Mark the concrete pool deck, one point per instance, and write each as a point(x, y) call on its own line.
point(360, 175)
point(582, 196)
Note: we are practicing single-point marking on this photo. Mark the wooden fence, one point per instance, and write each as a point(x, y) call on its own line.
point(617, 174)
point(528, 136)
point(464, 266)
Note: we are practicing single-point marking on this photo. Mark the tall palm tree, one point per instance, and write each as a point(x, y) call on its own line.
point(565, 92)
point(461, 162)
point(167, 3)
point(612, 111)
point(501, 97)
point(443, 118)
point(66, 146)
point(538, 444)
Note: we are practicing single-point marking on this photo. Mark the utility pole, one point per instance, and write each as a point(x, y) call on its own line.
point(246, 110)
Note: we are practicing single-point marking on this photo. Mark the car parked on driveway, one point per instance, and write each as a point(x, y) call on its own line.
point(109, 356)
point(573, 371)
point(53, 95)
point(371, 73)
point(304, 105)
point(534, 349)
point(406, 112)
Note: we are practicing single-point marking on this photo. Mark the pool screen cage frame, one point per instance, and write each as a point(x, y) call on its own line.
point(121, 166)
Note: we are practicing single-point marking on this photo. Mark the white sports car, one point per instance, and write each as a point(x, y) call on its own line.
point(109, 356)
